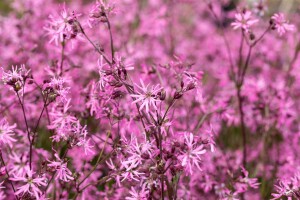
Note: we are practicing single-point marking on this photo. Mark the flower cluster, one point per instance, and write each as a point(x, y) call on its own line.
point(144, 99)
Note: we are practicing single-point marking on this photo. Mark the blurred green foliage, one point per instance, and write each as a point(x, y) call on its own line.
point(273, 5)
point(4, 7)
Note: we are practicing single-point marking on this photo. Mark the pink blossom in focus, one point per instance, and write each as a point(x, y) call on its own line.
point(147, 96)
point(29, 184)
point(63, 173)
point(190, 156)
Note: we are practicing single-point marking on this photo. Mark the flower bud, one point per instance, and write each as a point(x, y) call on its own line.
point(178, 94)
point(115, 83)
point(181, 84)
point(190, 86)
point(205, 141)
point(108, 72)
point(162, 95)
point(117, 94)
point(252, 36)
point(30, 82)
point(145, 156)
point(17, 86)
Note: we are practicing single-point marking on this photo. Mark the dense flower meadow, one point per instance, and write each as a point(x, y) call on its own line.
point(149, 100)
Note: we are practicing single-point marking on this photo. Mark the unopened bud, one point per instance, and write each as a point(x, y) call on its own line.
point(115, 83)
point(17, 86)
point(252, 36)
point(108, 72)
point(178, 95)
point(30, 82)
point(181, 84)
point(205, 141)
point(145, 156)
point(103, 19)
point(190, 86)
point(162, 95)
point(117, 94)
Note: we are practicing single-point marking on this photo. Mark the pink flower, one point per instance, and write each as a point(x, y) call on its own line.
point(283, 189)
point(130, 174)
point(136, 151)
point(148, 96)
point(244, 182)
point(99, 9)
point(191, 154)
point(93, 102)
point(80, 133)
point(62, 27)
point(58, 84)
point(14, 74)
point(6, 133)
point(122, 64)
point(15, 77)
point(288, 188)
point(260, 8)
point(252, 182)
point(281, 24)
point(18, 164)
point(62, 122)
point(243, 20)
point(63, 173)
point(102, 75)
point(138, 195)
point(31, 184)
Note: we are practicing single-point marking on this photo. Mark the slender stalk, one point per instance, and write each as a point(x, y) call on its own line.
point(244, 70)
point(161, 162)
point(27, 127)
point(15, 101)
point(240, 61)
point(102, 180)
point(239, 84)
point(172, 103)
point(96, 48)
point(227, 46)
point(111, 41)
point(240, 102)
